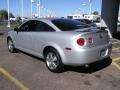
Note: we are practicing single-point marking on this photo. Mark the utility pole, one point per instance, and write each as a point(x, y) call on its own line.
point(8, 14)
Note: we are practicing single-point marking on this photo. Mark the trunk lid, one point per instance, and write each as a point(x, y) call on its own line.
point(99, 37)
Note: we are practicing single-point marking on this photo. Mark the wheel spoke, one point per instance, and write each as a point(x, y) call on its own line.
point(51, 56)
point(54, 65)
point(51, 66)
point(54, 59)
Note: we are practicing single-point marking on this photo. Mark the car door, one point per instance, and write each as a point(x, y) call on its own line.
point(32, 35)
point(39, 36)
point(23, 38)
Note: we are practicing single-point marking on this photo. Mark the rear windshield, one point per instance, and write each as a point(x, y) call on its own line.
point(68, 24)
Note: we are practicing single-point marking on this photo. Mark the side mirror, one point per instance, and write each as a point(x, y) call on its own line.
point(16, 29)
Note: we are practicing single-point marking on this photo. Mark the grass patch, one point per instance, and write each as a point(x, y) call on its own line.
point(3, 26)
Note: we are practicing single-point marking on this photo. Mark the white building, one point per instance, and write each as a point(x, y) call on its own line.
point(75, 16)
point(85, 16)
point(91, 17)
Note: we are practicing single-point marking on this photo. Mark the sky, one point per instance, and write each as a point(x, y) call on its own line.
point(60, 8)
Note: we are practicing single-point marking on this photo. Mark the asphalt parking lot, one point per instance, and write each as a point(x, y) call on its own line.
point(20, 71)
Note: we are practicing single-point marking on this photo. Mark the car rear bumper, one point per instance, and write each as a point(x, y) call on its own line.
point(87, 56)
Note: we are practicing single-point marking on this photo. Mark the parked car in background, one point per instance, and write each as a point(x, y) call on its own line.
point(97, 23)
point(87, 22)
point(13, 19)
point(60, 42)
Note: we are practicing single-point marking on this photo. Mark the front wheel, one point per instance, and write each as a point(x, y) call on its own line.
point(53, 60)
point(11, 47)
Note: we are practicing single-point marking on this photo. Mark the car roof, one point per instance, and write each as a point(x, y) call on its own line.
point(47, 19)
point(42, 19)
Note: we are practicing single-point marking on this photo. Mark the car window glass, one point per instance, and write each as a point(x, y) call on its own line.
point(32, 25)
point(41, 26)
point(28, 26)
point(68, 24)
point(24, 27)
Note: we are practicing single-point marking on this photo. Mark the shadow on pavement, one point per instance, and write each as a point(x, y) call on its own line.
point(92, 67)
point(117, 35)
point(1, 34)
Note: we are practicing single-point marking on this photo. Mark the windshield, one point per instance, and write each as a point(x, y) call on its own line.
point(68, 24)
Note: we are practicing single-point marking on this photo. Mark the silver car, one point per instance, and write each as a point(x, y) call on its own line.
point(60, 42)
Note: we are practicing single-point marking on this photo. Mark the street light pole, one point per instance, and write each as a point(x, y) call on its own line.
point(90, 7)
point(38, 5)
point(83, 7)
point(39, 8)
point(8, 14)
point(22, 9)
point(32, 1)
point(79, 10)
point(31, 7)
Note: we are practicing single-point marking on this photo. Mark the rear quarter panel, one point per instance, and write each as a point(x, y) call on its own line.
point(57, 40)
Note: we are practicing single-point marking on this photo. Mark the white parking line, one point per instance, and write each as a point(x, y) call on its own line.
point(116, 65)
point(116, 42)
point(116, 59)
point(114, 39)
point(115, 49)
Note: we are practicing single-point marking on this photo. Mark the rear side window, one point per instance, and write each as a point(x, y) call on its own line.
point(28, 26)
point(68, 24)
point(41, 26)
point(34, 25)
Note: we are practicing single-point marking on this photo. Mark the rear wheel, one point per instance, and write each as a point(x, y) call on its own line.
point(10, 44)
point(53, 60)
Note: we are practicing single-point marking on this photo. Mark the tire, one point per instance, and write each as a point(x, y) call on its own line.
point(10, 45)
point(53, 61)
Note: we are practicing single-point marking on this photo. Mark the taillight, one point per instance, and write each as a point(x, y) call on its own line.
point(81, 41)
point(90, 40)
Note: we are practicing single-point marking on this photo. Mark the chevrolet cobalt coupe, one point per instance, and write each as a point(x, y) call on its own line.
point(60, 42)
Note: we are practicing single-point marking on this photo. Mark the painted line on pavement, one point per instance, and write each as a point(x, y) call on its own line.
point(114, 49)
point(14, 80)
point(116, 42)
point(114, 39)
point(116, 59)
point(116, 65)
